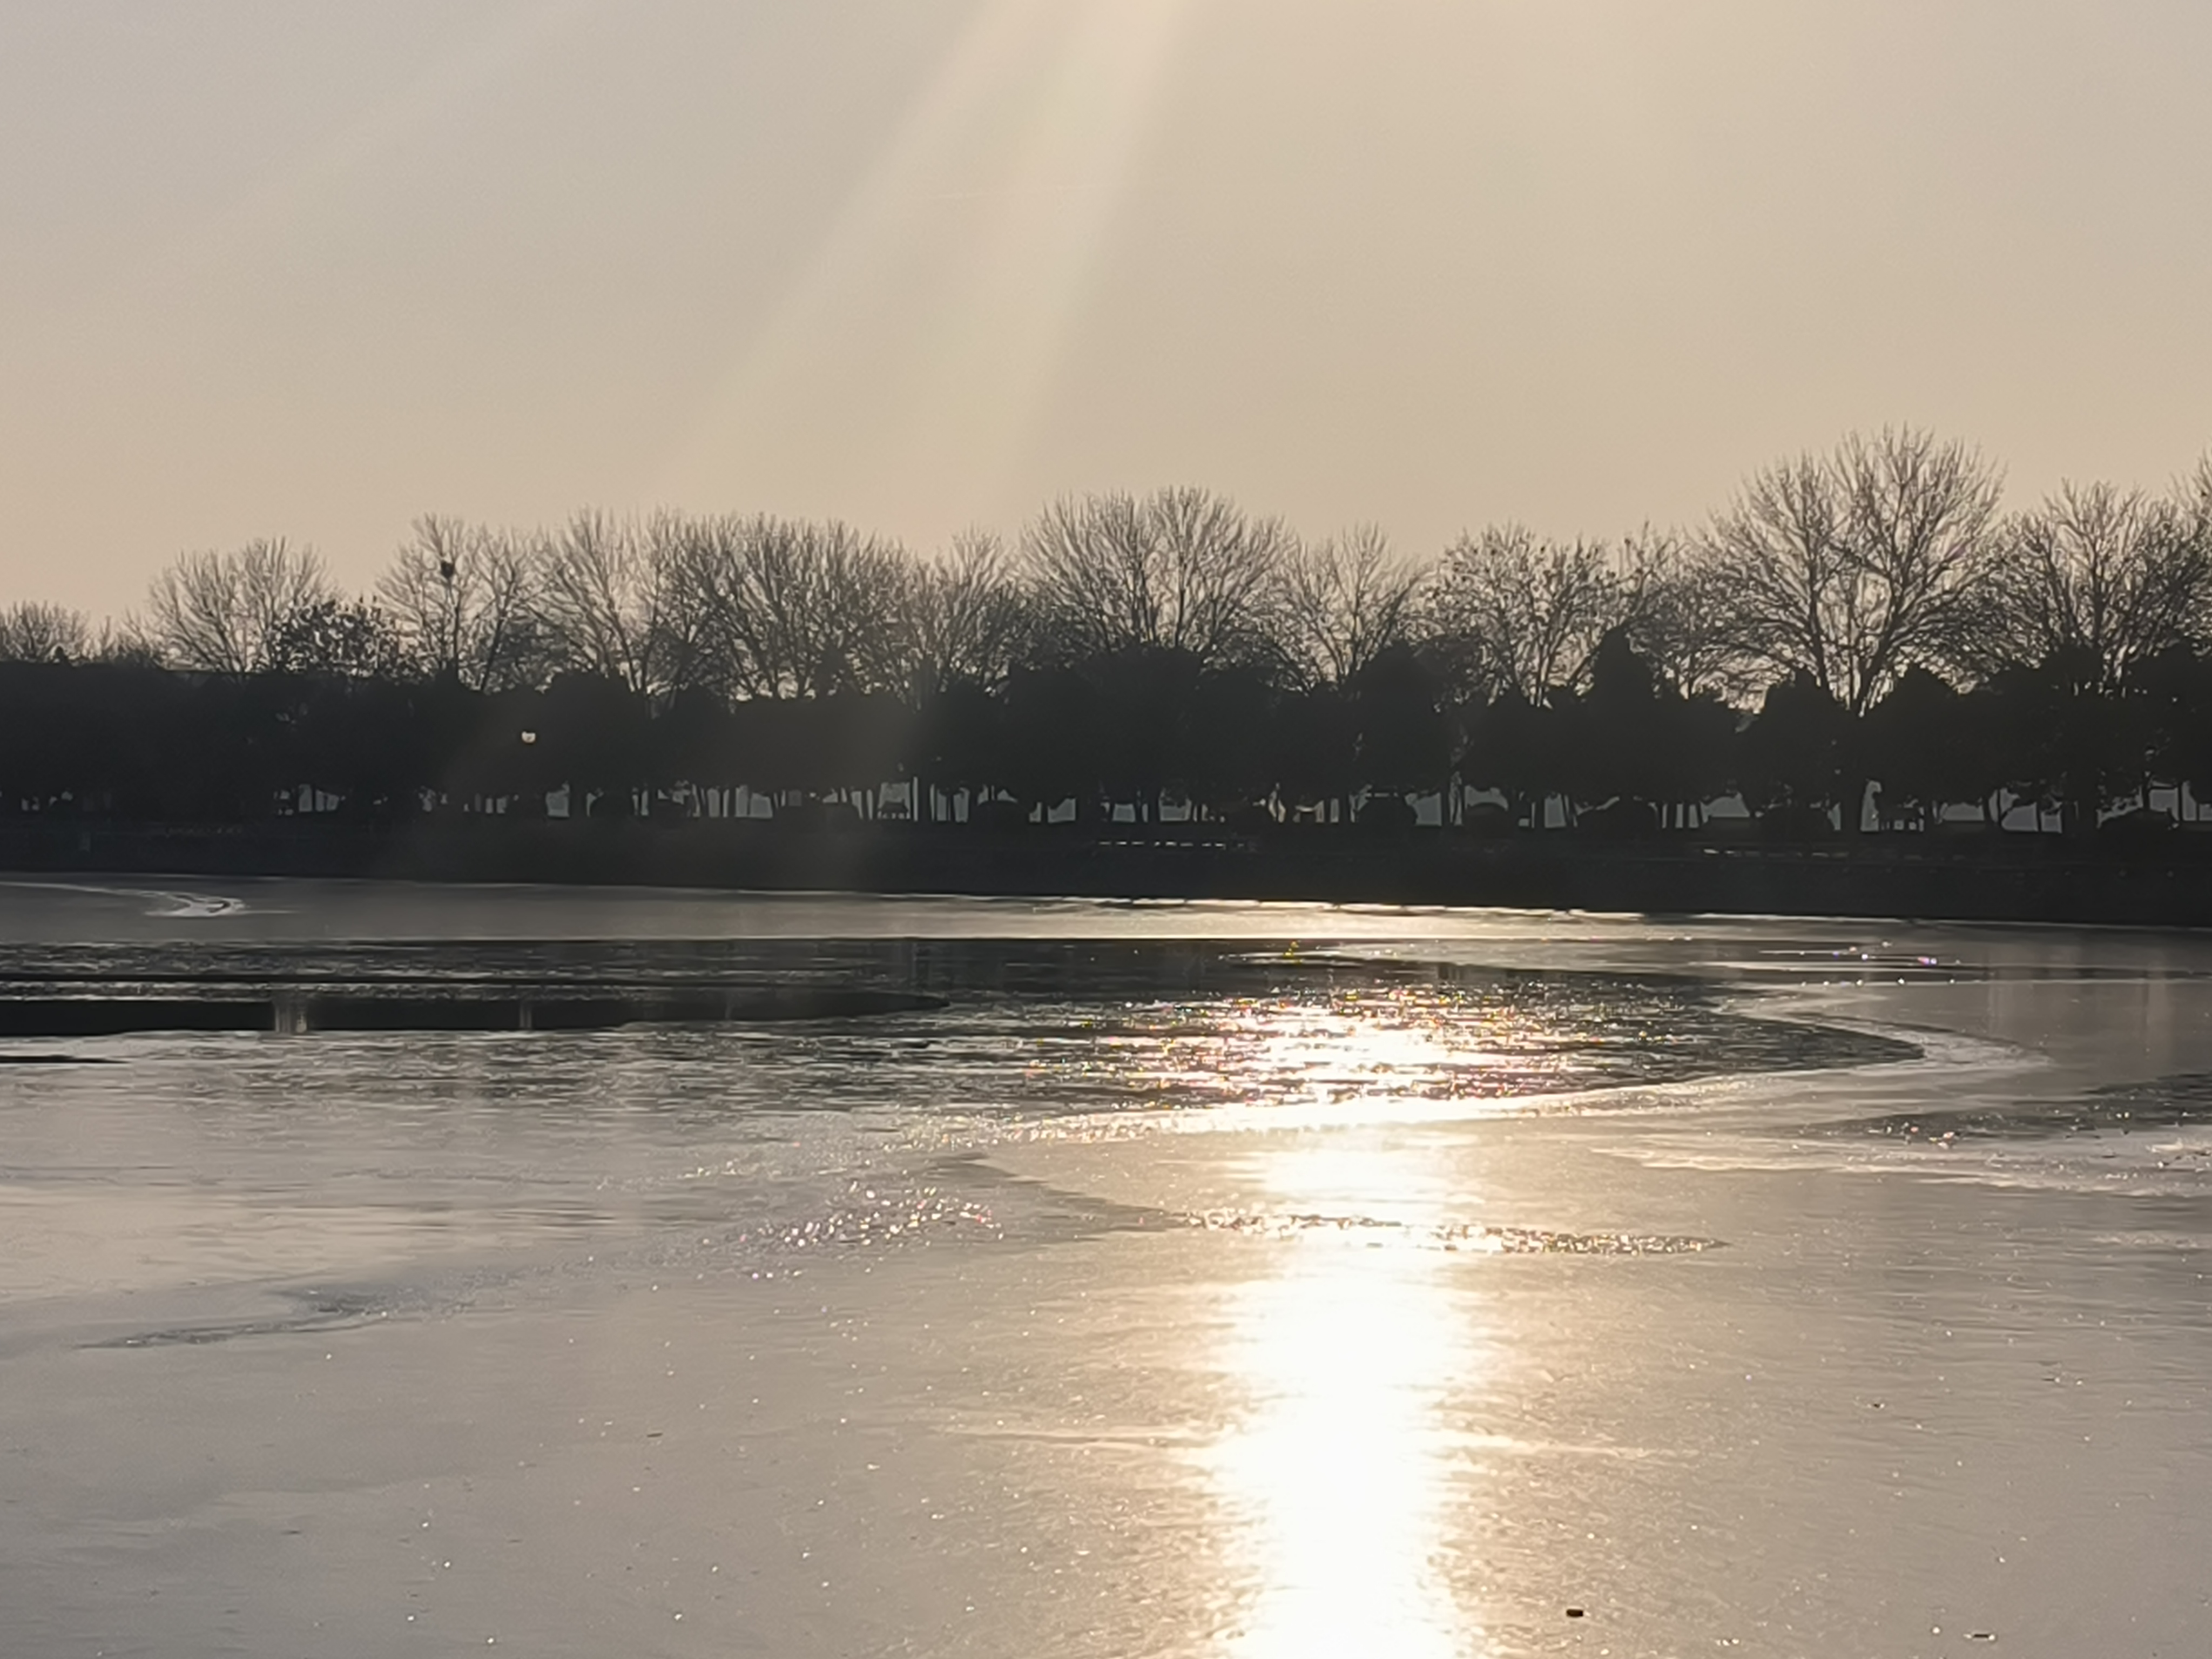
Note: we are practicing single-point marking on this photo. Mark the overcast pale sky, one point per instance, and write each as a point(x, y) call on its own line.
point(311, 269)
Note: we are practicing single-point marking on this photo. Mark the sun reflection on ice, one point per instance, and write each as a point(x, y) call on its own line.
point(1339, 1477)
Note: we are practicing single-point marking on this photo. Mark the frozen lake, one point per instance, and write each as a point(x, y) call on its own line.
point(1184, 1278)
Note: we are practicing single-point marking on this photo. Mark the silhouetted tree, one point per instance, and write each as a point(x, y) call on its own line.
point(966, 620)
point(2105, 578)
point(1918, 746)
point(1794, 759)
point(1172, 649)
point(785, 608)
point(1146, 707)
point(33, 632)
point(1516, 615)
point(367, 741)
point(1401, 729)
point(461, 597)
point(1181, 571)
point(1315, 750)
point(1849, 568)
point(2063, 742)
point(595, 740)
point(613, 602)
point(1512, 746)
point(1676, 612)
point(334, 636)
point(1053, 720)
point(1614, 736)
point(1226, 767)
point(1343, 602)
point(961, 743)
point(219, 612)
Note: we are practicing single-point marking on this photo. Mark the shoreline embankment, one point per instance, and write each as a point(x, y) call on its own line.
point(2162, 880)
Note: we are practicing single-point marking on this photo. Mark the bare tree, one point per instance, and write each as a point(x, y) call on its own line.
point(966, 620)
point(1675, 614)
point(614, 600)
point(1180, 570)
point(2195, 492)
point(1852, 568)
point(2103, 577)
point(219, 612)
point(1344, 602)
point(1525, 615)
point(34, 632)
point(126, 642)
point(460, 596)
point(785, 608)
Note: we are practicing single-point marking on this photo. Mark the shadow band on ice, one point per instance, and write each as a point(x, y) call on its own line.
point(92, 1012)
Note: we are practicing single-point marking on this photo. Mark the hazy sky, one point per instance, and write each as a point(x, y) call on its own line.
point(311, 269)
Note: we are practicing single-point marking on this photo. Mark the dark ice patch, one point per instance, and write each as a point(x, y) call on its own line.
point(2166, 1102)
point(312, 1311)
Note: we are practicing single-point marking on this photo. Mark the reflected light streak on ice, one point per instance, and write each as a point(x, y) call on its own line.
point(1339, 1475)
point(1393, 1056)
point(1339, 1478)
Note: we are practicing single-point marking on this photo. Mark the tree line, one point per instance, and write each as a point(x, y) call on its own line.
point(1861, 636)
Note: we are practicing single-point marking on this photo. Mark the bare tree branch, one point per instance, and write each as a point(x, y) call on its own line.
point(1523, 615)
point(34, 632)
point(2105, 578)
point(1181, 570)
point(461, 597)
point(967, 620)
point(1677, 616)
point(218, 612)
point(1851, 568)
point(786, 608)
point(613, 600)
point(1344, 602)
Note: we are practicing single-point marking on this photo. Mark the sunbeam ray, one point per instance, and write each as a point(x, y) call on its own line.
point(992, 197)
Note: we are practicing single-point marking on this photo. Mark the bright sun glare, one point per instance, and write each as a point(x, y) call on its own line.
point(1340, 1472)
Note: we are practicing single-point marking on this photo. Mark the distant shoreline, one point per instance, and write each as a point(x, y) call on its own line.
point(2164, 880)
